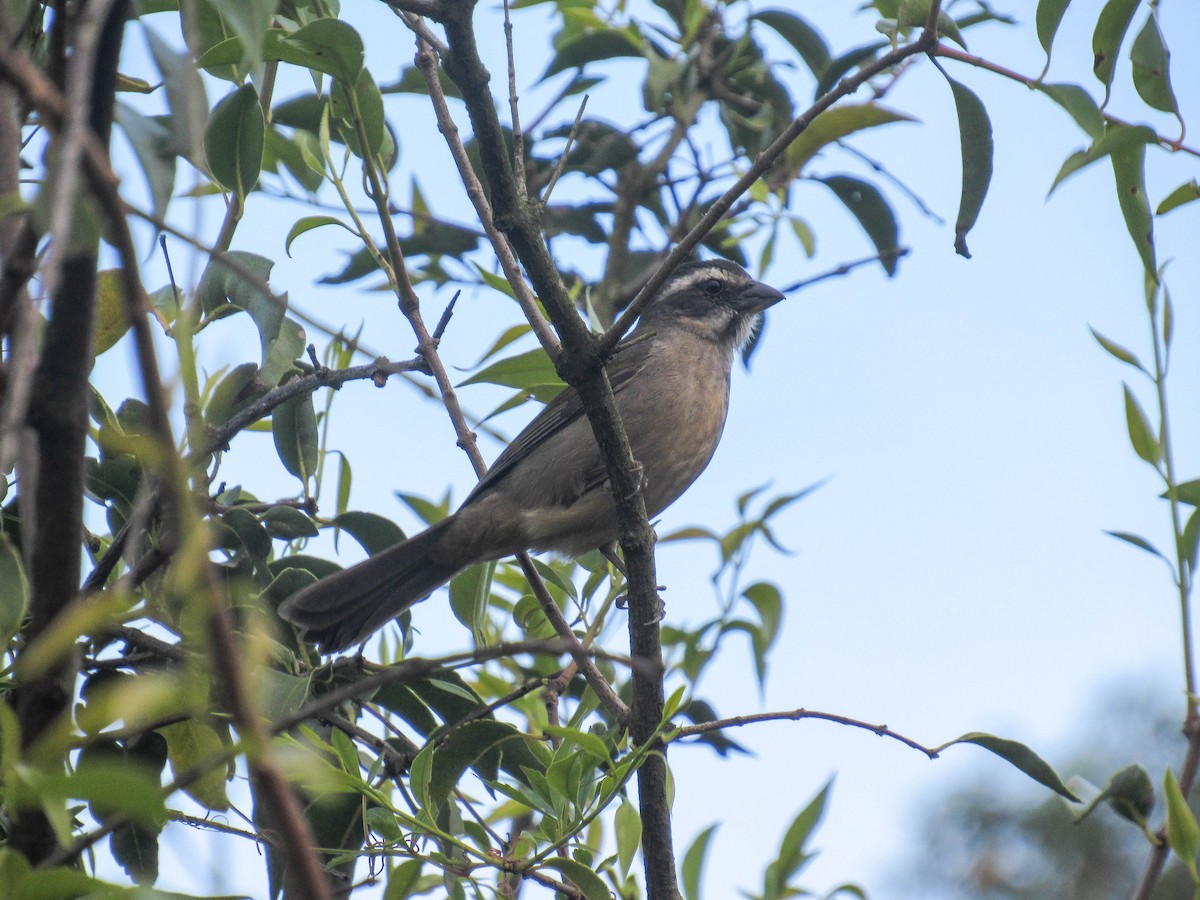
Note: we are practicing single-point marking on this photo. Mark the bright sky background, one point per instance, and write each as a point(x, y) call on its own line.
point(952, 575)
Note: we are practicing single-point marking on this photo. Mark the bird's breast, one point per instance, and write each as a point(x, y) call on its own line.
point(674, 429)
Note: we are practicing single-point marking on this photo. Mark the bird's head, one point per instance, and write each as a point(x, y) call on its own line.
point(715, 299)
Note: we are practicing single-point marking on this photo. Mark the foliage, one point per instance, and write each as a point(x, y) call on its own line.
point(509, 761)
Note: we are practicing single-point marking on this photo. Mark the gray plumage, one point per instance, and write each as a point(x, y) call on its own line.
point(548, 490)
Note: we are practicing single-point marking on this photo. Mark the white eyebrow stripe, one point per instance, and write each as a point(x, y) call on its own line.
point(693, 277)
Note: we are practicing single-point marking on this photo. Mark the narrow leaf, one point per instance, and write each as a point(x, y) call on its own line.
point(1117, 350)
point(975, 135)
point(1049, 16)
point(308, 223)
point(1183, 833)
point(234, 139)
point(1141, 433)
point(837, 123)
point(693, 863)
point(1129, 168)
point(587, 881)
point(1079, 105)
point(1111, 26)
point(627, 825)
point(1185, 193)
point(1152, 66)
point(873, 213)
point(1020, 756)
point(1140, 542)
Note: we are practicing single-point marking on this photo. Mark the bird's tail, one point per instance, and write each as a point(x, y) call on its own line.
point(343, 609)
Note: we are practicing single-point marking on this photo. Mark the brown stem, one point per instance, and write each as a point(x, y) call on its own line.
point(53, 474)
point(796, 715)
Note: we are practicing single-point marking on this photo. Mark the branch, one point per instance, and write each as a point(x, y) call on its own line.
point(417, 668)
point(427, 64)
point(846, 268)
point(979, 62)
point(796, 715)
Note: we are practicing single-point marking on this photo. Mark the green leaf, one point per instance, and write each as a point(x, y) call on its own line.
point(1079, 105)
point(1049, 15)
point(627, 825)
point(1111, 26)
point(185, 98)
point(294, 427)
point(835, 124)
point(373, 532)
point(14, 592)
point(524, 371)
point(975, 136)
point(1191, 538)
point(308, 223)
point(693, 863)
point(473, 745)
point(112, 784)
point(328, 45)
point(135, 849)
point(593, 46)
point(1020, 756)
point(1188, 492)
point(585, 880)
point(591, 744)
point(1185, 193)
point(873, 213)
point(365, 106)
point(288, 523)
point(151, 142)
point(1117, 350)
point(915, 13)
point(1141, 433)
point(233, 141)
point(1114, 139)
point(249, 20)
point(1152, 66)
point(768, 603)
point(111, 321)
point(1140, 542)
point(1183, 833)
point(840, 65)
point(190, 744)
point(1129, 168)
point(805, 39)
point(470, 590)
point(792, 853)
point(1130, 793)
point(227, 397)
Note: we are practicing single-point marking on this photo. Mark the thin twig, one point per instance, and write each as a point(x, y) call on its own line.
point(847, 268)
point(513, 110)
point(427, 65)
point(979, 62)
point(796, 715)
point(562, 159)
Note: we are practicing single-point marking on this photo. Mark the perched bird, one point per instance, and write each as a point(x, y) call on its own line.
point(549, 489)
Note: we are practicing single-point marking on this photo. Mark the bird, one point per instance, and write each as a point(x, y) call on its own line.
point(548, 490)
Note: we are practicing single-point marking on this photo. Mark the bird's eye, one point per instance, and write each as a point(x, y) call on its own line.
point(712, 287)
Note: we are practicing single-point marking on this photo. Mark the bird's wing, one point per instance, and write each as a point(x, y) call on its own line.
point(559, 413)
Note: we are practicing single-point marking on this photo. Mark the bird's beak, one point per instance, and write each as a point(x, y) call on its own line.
point(758, 297)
